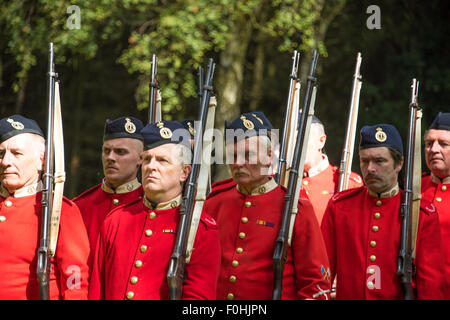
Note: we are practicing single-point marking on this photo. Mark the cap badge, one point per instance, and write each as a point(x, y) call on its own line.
point(129, 126)
point(380, 135)
point(259, 119)
point(164, 132)
point(16, 124)
point(191, 129)
point(247, 123)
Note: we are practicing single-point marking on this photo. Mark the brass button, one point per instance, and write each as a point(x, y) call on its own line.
point(244, 219)
point(152, 215)
point(373, 258)
point(444, 188)
point(370, 285)
point(371, 271)
point(2, 218)
point(235, 263)
point(230, 296)
point(239, 250)
point(232, 279)
point(133, 280)
point(8, 203)
point(373, 244)
point(130, 295)
point(148, 232)
point(378, 203)
point(116, 201)
point(143, 248)
point(241, 235)
point(438, 199)
point(377, 215)
point(138, 263)
point(248, 204)
point(305, 182)
point(375, 228)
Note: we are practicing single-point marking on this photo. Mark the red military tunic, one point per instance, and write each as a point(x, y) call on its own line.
point(437, 191)
point(362, 234)
point(134, 249)
point(96, 202)
point(248, 226)
point(322, 181)
point(20, 216)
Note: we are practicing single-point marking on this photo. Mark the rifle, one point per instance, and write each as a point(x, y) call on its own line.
point(175, 275)
point(345, 168)
point(43, 258)
point(290, 120)
point(281, 244)
point(411, 200)
point(154, 108)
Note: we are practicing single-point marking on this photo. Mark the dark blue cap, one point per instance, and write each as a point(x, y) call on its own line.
point(123, 127)
point(249, 124)
point(381, 135)
point(163, 132)
point(441, 122)
point(188, 124)
point(17, 124)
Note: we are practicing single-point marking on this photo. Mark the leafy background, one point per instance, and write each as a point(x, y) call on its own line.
point(104, 66)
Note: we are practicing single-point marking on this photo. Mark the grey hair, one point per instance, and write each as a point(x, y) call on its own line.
point(184, 154)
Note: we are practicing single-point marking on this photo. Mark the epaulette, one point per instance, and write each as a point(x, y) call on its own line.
point(221, 186)
point(346, 193)
point(427, 206)
point(208, 221)
point(87, 192)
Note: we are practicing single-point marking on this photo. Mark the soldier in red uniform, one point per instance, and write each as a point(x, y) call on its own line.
point(320, 178)
point(121, 150)
point(22, 152)
point(361, 228)
point(248, 209)
point(436, 186)
point(137, 239)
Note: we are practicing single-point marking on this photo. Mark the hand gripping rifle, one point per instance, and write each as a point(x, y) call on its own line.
point(154, 108)
point(410, 206)
point(175, 275)
point(345, 168)
point(293, 189)
point(51, 194)
point(290, 121)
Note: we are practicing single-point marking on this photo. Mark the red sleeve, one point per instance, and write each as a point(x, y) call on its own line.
point(310, 256)
point(329, 237)
point(96, 285)
point(202, 272)
point(72, 253)
point(430, 269)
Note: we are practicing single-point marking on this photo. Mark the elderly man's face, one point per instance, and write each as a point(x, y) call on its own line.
point(252, 159)
point(163, 173)
point(121, 160)
point(437, 152)
point(378, 169)
point(21, 160)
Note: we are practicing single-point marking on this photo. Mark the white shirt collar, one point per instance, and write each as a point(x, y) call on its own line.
point(318, 168)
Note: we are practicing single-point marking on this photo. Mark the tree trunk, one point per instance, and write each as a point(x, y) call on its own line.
point(229, 81)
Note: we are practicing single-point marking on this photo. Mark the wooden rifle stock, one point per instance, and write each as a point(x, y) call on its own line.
point(293, 79)
point(43, 259)
point(281, 244)
point(405, 264)
point(347, 152)
point(176, 272)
